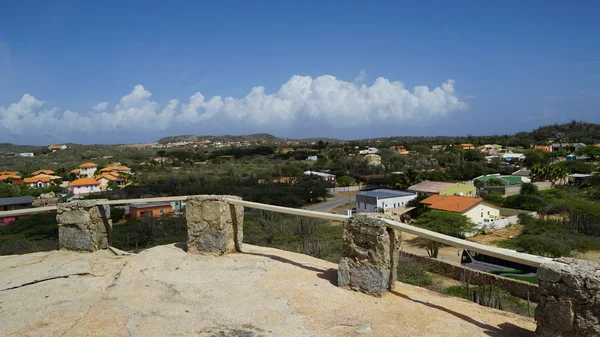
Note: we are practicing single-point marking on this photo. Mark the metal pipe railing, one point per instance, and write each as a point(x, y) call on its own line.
point(501, 253)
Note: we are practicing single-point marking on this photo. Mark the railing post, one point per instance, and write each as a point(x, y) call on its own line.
point(570, 299)
point(214, 226)
point(83, 226)
point(370, 256)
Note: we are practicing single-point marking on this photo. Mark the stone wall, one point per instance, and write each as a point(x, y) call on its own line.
point(570, 305)
point(370, 257)
point(214, 226)
point(514, 287)
point(83, 226)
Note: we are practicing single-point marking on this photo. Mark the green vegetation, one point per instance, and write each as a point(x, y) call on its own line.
point(412, 272)
point(34, 233)
point(142, 233)
point(314, 237)
point(550, 238)
point(492, 297)
point(449, 223)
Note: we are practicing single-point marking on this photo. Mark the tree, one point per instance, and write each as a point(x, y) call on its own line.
point(473, 155)
point(407, 179)
point(552, 173)
point(346, 181)
point(590, 151)
point(536, 157)
point(449, 223)
point(113, 186)
point(9, 190)
point(529, 188)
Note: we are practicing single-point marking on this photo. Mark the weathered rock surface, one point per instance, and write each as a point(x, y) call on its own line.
point(164, 291)
point(83, 226)
point(370, 257)
point(374, 160)
point(570, 303)
point(214, 226)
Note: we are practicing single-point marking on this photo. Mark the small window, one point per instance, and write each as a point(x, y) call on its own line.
point(488, 212)
point(161, 211)
point(482, 214)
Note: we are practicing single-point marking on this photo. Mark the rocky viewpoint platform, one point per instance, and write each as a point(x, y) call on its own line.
point(165, 291)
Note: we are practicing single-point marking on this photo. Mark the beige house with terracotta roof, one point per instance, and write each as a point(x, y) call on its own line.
point(87, 170)
point(477, 210)
point(37, 182)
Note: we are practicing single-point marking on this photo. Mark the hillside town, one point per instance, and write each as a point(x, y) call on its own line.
point(538, 198)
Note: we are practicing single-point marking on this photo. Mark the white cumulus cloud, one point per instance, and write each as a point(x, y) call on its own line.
point(324, 100)
point(100, 107)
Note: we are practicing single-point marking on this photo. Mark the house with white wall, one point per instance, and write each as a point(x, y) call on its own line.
point(326, 176)
point(382, 199)
point(37, 182)
point(87, 170)
point(475, 209)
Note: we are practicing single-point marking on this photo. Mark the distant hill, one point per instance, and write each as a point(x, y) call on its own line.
point(258, 137)
point(572, 132)
point(12, 148)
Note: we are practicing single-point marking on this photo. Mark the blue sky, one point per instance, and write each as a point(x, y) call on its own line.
point(350, 68)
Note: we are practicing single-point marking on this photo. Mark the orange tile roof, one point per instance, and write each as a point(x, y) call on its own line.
point(49, 172)
point(455, 203)
point(86, 165)
point(107, 176)
point(9, 176)
point(432, 199)
point(76, 171)
point(9, 173)
point(36, 179)
point(56, 146)
point(84, 182)
point(598, 145)
point(466, 145)
point(115, 168)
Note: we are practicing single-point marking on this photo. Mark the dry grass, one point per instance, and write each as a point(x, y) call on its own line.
point(501, 234)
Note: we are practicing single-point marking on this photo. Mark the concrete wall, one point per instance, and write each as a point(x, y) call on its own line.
point(351, 188)
point(543, 185)
point(514, 287)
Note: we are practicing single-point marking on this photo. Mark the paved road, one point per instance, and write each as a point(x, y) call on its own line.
point(331, 203)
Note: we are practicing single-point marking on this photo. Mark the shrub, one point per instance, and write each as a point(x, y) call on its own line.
point(412, 272)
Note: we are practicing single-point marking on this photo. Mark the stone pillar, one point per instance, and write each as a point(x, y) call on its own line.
point(370, 257)
point(570, 299)
point(214, 226)
point(83, 226)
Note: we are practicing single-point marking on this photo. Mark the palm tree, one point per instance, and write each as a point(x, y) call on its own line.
point(552, 173)
point(556, 173)
point(408, 179)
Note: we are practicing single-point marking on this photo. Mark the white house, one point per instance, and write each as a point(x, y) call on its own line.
point(475, 209)
point(87, 170)
point(370, 150)
point(382, 199)
point(326, 176)
point(37, 182)
point(26, 154)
